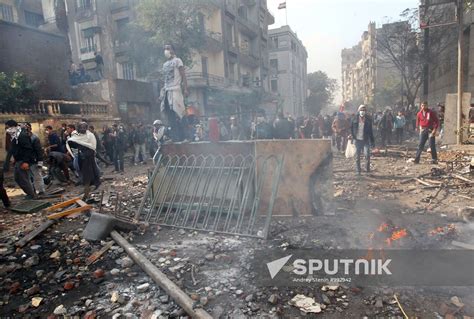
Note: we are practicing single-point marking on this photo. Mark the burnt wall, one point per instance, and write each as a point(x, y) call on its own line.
point(40, 55)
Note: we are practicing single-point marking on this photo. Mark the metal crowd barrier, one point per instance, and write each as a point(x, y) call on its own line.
point(212, 193)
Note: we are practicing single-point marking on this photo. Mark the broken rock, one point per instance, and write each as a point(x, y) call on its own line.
point(305, 304)
point(273, 299)
point(36, 301)
point(60, 310)
point(143, 288)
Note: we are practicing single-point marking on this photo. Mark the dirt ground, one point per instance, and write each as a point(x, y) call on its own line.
point(215, 269)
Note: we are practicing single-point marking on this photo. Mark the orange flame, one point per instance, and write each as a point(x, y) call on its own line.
point(383, 227)
point(398, 234)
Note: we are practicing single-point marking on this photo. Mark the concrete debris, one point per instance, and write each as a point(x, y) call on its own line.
point(305, 304)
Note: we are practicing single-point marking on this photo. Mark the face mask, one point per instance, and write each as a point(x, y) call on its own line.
point(167, 54)
point(362, 113)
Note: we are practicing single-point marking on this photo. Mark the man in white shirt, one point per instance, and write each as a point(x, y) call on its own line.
point(362, 136)
point(172, 99)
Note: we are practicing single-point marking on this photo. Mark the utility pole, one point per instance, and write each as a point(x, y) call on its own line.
point(460, 11)
point(426, 54)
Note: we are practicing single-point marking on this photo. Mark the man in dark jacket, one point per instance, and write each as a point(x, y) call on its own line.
point(23, 153)
point(362, 136)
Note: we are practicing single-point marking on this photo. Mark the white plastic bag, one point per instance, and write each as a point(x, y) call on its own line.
point(350, 150)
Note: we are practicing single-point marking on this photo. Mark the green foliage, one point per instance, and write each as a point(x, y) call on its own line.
point(161, 22)
point(322, 90)
point(16, 92)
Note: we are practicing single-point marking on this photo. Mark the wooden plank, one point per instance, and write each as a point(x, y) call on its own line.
point(96, 255)
point(63, 204)
point(423, 182)
point(463, 178)
point(22, 242)
point(69, 212)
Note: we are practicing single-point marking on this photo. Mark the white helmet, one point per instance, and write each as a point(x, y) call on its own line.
point(157, 122)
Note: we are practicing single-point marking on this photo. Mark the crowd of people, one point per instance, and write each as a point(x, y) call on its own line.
point(73, 151)
point(71, 154)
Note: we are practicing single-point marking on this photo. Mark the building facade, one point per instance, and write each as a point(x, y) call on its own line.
point(288, 70)
point(233, 71)
point(28, 12)
point(366, 71)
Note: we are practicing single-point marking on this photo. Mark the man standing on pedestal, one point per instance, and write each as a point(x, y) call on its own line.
point(172, 99)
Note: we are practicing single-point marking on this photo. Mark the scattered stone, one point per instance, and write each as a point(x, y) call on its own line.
point(35, 247)
point(99, 273)
point(32, 261)
point(203, 301)
point(273, 299)
point(126, 262)
point(36, 301)
point(210, 257)
point(164, 299)
point(305, 304)
point(195, 296)
point(60, 310)
point(326, 299)
point(117, 298)
point(33, 290)
point(239, 292)
point(182, 232)
point(68, 285)
point(55, 255)
point(39, 273)
point(15, 287)
point(457, 302)
point(378, 303)
point(88, 302)
point(249, 298)
point(143, 287)
point(23, 308)
point(115, 272)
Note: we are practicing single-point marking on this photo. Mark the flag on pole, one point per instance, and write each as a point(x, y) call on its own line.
point(282, 5)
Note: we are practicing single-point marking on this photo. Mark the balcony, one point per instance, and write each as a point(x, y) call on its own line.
point(87, 53)
point(200, 79)
point(248, 27)
point(214, 41)
point(232, 48)
point(119, 5)
point(121, 47)
point(248, 58)
point(68, 108)
point(231, 8)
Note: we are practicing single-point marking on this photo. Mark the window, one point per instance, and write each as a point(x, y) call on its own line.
point(274, 85)
point(204, 62)
point(127, 71)
point(121, 25)
point(6, 12)
point(274, 64)
point(242, 12)
point(84, 4)
point(33, 19)
point(275, 42)
point(88, 42)
point(230, 33)
point(232, 71)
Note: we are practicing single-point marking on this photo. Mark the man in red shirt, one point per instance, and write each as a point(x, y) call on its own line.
point(427, 123)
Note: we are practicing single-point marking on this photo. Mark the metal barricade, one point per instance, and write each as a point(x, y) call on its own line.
point(215, 193)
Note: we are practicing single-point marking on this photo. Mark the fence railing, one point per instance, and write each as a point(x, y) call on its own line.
point(60, 107)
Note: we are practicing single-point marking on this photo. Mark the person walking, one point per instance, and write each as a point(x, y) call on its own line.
point(427, 123)
point(363, 137)
point(23, 154)
point(37, 165)
point(385, 127)
point(399, 124)
point(120, 145)
point(84, 141)
point(139, 141)
point(99, 65)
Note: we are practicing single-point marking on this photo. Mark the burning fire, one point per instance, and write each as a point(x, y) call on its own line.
point(446, 230)
point(391, 233)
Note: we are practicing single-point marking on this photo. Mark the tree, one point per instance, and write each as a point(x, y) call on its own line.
point(321, 92)
point(17, 94)
point(161, 22)
point(399, 46)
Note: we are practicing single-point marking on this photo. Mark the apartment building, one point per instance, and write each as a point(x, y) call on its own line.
point(365, 70)
point(234, 64)
point(288, 69)
point(27, 12)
